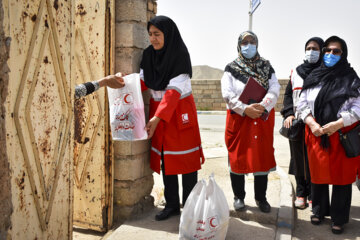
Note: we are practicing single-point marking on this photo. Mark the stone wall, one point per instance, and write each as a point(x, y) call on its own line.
point(207, 95)
point(133, 180)
point(5, 190)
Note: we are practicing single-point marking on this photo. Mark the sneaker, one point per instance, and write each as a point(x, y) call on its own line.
point(239, 204)
point(264, 206)
point(310, 204)
point(300, 203)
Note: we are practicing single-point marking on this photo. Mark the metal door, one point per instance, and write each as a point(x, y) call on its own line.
point(92, 158)
point(39, 117)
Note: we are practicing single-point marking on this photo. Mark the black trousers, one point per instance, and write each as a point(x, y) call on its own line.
point(303, 187)
point(171, 187)
point(339, 210)
point(260, 186)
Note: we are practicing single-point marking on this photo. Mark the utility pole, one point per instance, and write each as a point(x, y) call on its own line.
point(250, 17)
point(253, 6)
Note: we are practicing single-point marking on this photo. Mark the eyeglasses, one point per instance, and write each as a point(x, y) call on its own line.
point(335, 51)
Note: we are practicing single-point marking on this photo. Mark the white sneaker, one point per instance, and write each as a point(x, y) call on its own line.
point(300, 203)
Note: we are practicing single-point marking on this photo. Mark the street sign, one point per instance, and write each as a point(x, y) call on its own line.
point(254, 5)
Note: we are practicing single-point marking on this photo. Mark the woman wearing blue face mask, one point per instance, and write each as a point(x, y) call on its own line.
point(330, 100)
point(299, 166)
point(248, 138)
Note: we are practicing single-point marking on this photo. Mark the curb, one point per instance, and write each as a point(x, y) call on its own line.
point(285, 219)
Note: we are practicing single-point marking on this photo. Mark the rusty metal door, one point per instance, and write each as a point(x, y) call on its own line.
point(39, 117)
point(92, 157)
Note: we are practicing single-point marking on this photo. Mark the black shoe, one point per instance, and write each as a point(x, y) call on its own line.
point(315, 219)
point(264, 206)
point(166, 213)
point(337, 229)
point(239, 204)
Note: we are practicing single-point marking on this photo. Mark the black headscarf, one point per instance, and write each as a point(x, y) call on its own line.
point(257, 67)
point(306, 68)
point(339, 83)
point(160, 66)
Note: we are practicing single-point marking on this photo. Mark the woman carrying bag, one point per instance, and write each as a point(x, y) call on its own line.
point(330, 101)
point(249, 138)
point(299, 166)
point(166, 71)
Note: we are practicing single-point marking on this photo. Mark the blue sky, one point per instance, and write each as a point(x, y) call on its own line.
point(210, 28)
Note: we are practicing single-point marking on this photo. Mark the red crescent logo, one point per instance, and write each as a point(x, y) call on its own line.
point(211, 222)
point(125, 100)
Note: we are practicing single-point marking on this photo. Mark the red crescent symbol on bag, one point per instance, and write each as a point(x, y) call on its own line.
point(211, 222)
point(125, 100)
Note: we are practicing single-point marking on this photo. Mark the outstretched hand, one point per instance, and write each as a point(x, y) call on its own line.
point(113, 81)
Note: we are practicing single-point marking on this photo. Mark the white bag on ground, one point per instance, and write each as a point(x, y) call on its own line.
point(205, 214)
point(127, 117)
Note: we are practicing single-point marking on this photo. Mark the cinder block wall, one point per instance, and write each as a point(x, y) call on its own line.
point(133, 180)
point(207, 95)
point(5, 189)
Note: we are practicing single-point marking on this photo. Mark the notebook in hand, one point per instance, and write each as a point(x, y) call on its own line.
point(254, 93)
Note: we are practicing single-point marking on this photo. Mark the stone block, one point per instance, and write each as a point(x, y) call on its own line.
point(128, 60)
point(131, 10)
point(122, 213)
point(128, 148)
point(131, 34)
point(150, 6)
point(212, 86)
point(132, 167)
point(150, 15)
point(129, 193)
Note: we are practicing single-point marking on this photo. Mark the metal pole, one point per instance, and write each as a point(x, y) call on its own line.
point(250, 18)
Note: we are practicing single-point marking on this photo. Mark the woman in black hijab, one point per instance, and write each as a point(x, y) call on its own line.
point(330, 100)
point(166, 71)
point(298, 162)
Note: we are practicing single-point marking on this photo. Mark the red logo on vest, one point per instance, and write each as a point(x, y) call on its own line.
point(185, 118)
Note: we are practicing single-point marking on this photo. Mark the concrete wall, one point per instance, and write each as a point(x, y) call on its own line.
point(5, 190)
point(132, 173)
point(207, 95)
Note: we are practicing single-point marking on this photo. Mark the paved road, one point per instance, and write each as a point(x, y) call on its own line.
point(212, 134)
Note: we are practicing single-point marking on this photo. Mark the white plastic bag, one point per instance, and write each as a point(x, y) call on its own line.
point(127, 117)
point(205, 214)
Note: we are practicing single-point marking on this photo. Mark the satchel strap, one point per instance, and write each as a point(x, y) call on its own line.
point(357, 127)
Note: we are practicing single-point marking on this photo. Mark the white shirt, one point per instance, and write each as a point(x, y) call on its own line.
point(181, 83)
point(231, 89)
point(349, 112)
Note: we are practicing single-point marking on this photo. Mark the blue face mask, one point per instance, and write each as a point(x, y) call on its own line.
point(331, 59)
point(248, 51)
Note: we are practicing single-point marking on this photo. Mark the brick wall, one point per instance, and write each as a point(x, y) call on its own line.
point(133, 180)
point(207, 95)
point(5, 190)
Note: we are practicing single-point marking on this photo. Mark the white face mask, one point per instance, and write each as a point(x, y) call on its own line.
point(312, 56)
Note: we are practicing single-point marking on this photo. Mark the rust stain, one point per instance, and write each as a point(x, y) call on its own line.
point(33, 18)
point(80, 10)
point(80, 119)
point(20, 182)
point(56, 4)
point(46, 60)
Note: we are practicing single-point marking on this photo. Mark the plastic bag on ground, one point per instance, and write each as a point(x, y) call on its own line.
point(206, 213)
point(127, 117)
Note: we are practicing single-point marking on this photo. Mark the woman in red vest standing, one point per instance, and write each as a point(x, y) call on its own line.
point(166, 71)
point(330, 101)
point(249, 138)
